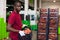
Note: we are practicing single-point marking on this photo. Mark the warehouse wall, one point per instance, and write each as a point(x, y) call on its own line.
point(51, 5)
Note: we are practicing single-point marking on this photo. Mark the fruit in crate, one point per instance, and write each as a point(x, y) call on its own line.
point(42, 25)
point(52, 26)
point(52, 36)
point(52, 21)
point(42, 37)
point(43, 20)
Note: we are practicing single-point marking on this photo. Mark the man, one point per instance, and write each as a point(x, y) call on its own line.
point(15, 23)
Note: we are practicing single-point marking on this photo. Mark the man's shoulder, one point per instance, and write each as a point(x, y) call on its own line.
point(12, 14)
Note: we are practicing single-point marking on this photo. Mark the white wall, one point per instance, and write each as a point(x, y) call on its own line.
point(51, 5)
point(3, 9)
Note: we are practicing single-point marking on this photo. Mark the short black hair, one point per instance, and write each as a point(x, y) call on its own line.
point(16, 2)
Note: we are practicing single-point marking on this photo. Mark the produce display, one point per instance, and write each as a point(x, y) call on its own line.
point(47, 25)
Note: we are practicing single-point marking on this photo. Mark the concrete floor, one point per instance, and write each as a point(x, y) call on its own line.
point(34, 35)
point(58, 36)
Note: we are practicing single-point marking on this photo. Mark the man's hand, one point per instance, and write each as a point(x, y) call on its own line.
point(22, 33)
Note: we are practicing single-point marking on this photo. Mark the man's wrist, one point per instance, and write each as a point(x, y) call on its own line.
point(17, 31)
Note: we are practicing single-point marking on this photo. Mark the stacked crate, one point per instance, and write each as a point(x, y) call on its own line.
point(53, 24)
point(48, 24)
point(42, 25)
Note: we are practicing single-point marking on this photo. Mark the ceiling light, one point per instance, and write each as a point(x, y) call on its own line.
point(54, 1)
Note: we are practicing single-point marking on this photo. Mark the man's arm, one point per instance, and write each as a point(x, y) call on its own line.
point(9, 28)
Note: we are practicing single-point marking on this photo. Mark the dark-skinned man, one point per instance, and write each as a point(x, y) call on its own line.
point(15, 23)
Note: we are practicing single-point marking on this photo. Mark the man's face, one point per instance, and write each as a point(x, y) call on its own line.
point(18, 6)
